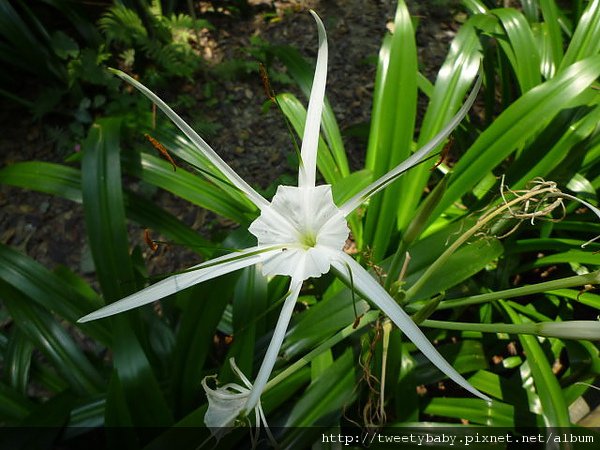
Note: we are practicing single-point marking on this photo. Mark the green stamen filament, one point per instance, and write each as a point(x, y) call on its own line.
point(309, 240)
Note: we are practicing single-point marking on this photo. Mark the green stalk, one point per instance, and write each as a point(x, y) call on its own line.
point(577, 280)
point(574, 329)
point(368, 318)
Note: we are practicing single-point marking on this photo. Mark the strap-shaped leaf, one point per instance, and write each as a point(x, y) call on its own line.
point(48, 291)
point(49, 337)
point(17, 360)
point(523, 119)
point(194, 342)
point(301, 71)
point(189, 187)
point(392, 124)
point(478, 412)
point(553, 407)
point(55, 179)
point(180, 146)
point(523, 53)
point(105, 222)
point(454, 79)
point(585, 40)
point(65, 182)
point(334, 389)
point(104, 211)
point(551, 29)
point(13, 405)
point(137, 379)
point(296, 114)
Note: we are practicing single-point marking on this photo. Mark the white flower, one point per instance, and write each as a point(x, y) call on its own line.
point(227, 402)
point(301, 234)
point(306, 221)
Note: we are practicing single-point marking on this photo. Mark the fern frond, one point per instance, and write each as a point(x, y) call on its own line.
point(122, 25)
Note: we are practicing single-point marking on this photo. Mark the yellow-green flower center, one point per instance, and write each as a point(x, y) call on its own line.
point(309, 240)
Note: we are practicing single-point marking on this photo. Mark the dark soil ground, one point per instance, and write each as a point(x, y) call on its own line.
point(255, 143)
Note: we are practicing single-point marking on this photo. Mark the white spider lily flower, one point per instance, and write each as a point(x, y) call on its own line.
point(301, 234)
point(227, 402)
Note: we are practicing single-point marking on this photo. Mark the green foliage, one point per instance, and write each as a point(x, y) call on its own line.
point(69, 69)
point(473, 261)
point(165, 43)
point(123, 25)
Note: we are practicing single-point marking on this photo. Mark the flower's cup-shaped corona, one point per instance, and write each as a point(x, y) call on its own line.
point(306, 221)
point(226, 403)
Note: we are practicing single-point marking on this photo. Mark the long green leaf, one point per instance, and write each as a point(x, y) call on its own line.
point(392, 125)
point(524, 55)
point(138, 380)
point(64, 181)
point(454, 79)
point(193, 345)
point(585, 40)
point(55, 179)
point(189, 187)
point(334, 389)
point(466, 356)
point(552, 29)
point(551, 150)
point(104, 211)
point(48, 291)
point(117, 416)
point(296, 114)
point(553, 406)
point(48, 336)
point(517, 124)
point(13, 405)
point(250, 307)
point(17, 361)
point(321, 321)
point(474, 410)
point(181, 147)
point(105, 221)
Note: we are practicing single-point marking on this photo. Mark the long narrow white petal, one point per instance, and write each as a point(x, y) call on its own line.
point(197, 274)
point(231, 175)
point(368, 286)
point(414, 159)
point(310, 140)
point(271, 356)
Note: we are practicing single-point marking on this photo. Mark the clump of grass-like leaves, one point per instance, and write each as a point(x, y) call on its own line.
point(510, 307)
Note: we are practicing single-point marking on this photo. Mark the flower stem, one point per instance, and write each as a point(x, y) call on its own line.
point(508, 328)
point(563, 283)
point(577, 329)
point(368, 318)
